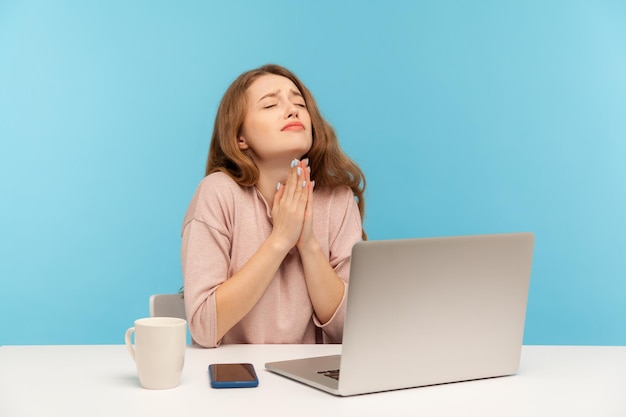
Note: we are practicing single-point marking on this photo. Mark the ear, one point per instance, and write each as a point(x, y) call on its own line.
point(242, 143)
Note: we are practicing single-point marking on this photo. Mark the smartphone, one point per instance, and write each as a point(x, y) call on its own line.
point(233, 375)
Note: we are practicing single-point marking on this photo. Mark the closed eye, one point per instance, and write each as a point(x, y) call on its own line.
point(269, 106)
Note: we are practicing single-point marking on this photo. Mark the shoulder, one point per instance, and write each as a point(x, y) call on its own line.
point(216, 195)
point(219, 187)
point(217, 182)
point(340, 194)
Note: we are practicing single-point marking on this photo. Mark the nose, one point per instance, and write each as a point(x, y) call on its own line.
point(292, 111)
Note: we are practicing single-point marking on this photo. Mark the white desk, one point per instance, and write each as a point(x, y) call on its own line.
point(101, 381)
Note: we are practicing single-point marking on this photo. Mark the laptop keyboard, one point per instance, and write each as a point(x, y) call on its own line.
point(334, 373)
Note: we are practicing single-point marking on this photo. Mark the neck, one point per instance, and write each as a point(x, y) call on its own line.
point(269, 177)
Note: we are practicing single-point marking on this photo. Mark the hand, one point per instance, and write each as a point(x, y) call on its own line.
point(290, 206)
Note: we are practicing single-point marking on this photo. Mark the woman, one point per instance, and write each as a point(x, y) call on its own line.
point(268, 234)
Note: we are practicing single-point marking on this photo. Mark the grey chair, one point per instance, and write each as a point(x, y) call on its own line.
point(167, 305)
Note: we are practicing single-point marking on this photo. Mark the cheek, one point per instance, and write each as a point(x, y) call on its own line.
point(259, 124)
point(307, 120)
point(252, 127)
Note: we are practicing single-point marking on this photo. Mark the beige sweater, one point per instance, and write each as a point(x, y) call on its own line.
point(224, 226)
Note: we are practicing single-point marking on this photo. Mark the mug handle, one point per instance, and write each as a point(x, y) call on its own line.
point(129, 344)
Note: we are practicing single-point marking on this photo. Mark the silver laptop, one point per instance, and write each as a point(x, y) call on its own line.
point(427, 311)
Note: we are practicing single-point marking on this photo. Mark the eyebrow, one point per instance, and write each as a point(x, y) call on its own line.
point(292, 91)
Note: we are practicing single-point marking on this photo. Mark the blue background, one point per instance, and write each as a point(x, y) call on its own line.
point(466, 117)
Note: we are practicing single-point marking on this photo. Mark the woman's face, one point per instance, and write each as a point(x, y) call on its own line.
point(277, 125)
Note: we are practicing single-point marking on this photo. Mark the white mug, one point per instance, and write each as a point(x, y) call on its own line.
point(159, 350)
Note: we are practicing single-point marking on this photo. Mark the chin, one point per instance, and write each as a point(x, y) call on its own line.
point(302, 150)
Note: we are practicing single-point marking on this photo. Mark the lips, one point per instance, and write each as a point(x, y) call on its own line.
point(293, 126)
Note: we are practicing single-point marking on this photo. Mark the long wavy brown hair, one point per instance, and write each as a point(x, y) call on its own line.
point(330, 166)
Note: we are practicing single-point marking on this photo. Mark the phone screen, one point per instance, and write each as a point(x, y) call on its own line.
point(232, 375)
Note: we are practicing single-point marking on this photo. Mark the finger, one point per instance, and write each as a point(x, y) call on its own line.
point(307, 184)
point(302, 194)
point(292, 179)
point(309, 201)
point(280, 190)
point(306, 169)
point(300, 182)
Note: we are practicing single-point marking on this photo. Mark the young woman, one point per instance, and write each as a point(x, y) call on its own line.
point(267, 237)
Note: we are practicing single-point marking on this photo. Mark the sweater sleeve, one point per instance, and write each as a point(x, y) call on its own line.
point(345, 230)
point(205, 257)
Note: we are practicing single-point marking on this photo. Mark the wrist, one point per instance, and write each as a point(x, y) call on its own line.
point(309, 247)
point(278, 245)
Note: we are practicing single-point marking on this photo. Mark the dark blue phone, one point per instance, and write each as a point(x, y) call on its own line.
point(233, 375)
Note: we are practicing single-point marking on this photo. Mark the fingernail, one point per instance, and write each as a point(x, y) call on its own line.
point(309, 168)
point(303, 184)
point(306, 162)
point(278, 186)
point(294, 163)
point(312, 184)
point(299, 170)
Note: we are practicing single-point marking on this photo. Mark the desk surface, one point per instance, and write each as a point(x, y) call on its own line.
point(100, 380)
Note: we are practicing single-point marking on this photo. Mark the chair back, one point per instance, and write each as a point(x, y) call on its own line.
point(167, 305)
